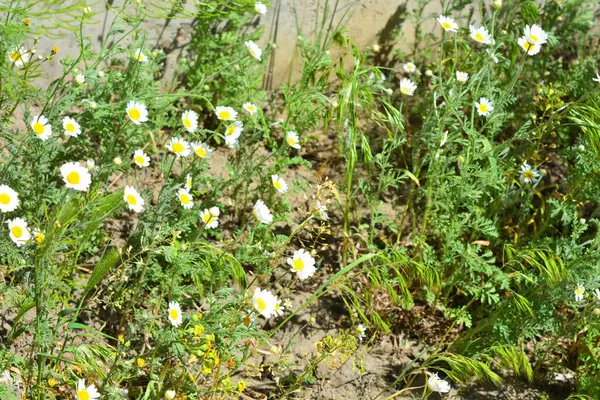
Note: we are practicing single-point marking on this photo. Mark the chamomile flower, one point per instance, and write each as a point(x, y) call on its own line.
point(579, 291)
point(597, 78)
point(137, 112)
point(279, 183)
point(260, 8)
point(409, 67)
point(480, 35)
point(185, 197)
point(264, 302)
point(484, 107)
point(253, 49)
point(175, 317)
point(447, 24)
point(407, 87)
point(444, 138)
point(302, 263)
point(190, 120)
point(214, 211)
point(188, 182)
point(279, 308)
point(180, 147)
point(232, 133)
point(72, 127)
point(226, 113)
point(76, 176)
point(201, 149)
point(462, 77)
point(86, 393)
point(531, 48)
point(597, 294)
point(19, 56)
point(38, 236)
point(250, 108)
point(210, 220)
point(41, 127)
point(80, 79)
point(292, 139)
point(262, 212)
point(361, 331)
point(438, 385)
point(9, 199)
point(18, 231)
point(534, 34)
point(140, 158)
point(134, 201)
point(140, 56)
point(528, 174)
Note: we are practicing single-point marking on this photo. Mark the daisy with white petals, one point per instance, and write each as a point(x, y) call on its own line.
point(409, 67)
point(579, 291)
point(448, 24)
point(253, 49)
point(260, 8)
point(140, 158)
point(134, 201)
point(480, 35)
point(19, 56)
point(292, 139)
point(535, 34)
point(41, 127)
point(140, 56)
point(597, 78)
point(302, 263)
point(175, 317)
point(210, 217)
point(86, 393)
point(232, 133)
point(201, 150)
point(531, 48)
point(76, 176)
point(279, 184)
point(188, 182)
point(262, 212)
point(438, 385)
point(225, 113)
point(250, 108)
point(18, 231)
point(137, 112)
point(264, 302)
point(180, 147)
point(186, 199)
point(484, 107)
point(361, 331)
point(9, 199)
point(407, 87)
point(462, 77)
point(528, 174)
point(71, 127)
point(190, 120)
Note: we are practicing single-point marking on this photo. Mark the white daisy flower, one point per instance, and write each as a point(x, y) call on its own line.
point(214, 211)
point(279, 308)
point(226, 113)
point(535, 34)
point(462, 77)
point(480, 34)
point(287, 303)
point(72, 128)
point(262, 212)
point(444, 138)
point(302, 263)
point(201, 149)
point(19, 56)
point(18, 231)
point(140, 56)
point(528, 174)
point(264, 302)
point(190, 120)
point(448, 24)
point(531, 48)
point(86, 393)
point(361, 331)
point(597, 78)
point(232, 133)
point(80, 79)
point(253, 49)
point(279, 183)
point(260, 8)
point(9, 199)
point(75, 176)
point(187, 201)
point(484, 107)
point(38, 235)
point(175, 317)
point(407, 87)
point(134, 201)
point(180, 147)
point(188, 182)
point(597, 294)
point(250, 108)
point(578, 292)
point(292, 139)
point(438, 385)
point(140, 158)
point(210, 220)
point(409, 67)
point(41, 127)
point(137, 112)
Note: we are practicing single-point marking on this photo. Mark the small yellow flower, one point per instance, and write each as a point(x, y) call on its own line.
point(121, 338)
point(140, 363)
point(26, 21)
point(55, 49)
point(51, 382)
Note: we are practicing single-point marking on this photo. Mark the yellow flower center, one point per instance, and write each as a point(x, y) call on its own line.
point(185, 199)
point(140, 57)
point(446, 25)
point(174, 314)
point(70, 127)
point(38, 128)
point(533, 38)
point(230, 130)
point(131, 199)
point(479, 37)
point(260, 304)
point(207, 218)
point(404, 90)
point(277, 184)
point(73, 177)
point(4, 198)
point(17, 231)
point(83, 395)
point(139, 159)
point(177, 147)
point(483, 108)
point(39, 238)
point(579, 291)
point(15, 56)
point(251, 108)
point(200, 152)
point(187, 122)
point(298, 264)
point(225, 114)
point(527, 46)
point(528, 174)
point(291, 141)
point(134, 114)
